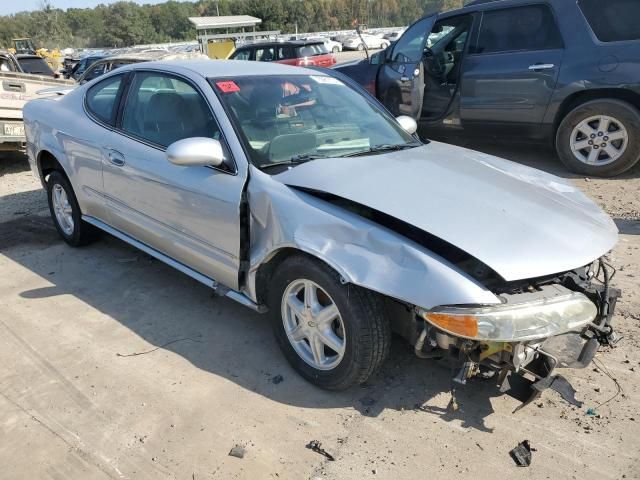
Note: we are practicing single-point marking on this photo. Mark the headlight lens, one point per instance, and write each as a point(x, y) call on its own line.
point(515, 322)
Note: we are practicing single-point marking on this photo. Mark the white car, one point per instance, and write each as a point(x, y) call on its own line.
point(332, 45)
point(393, 36)
point(355, 42)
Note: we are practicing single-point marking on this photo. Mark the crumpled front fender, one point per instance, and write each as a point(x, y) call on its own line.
point(361, 251)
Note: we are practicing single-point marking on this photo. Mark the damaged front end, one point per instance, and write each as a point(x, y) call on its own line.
point(541, 325)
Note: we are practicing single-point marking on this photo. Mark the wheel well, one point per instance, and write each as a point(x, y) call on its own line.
point(400, 314)
point(578, 98)
point(47, 163)
point(266, 270)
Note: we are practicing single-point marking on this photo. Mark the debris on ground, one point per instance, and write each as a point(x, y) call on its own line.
point(277, 379)
point(522, 454)
point(316, 446)
point(237, 451)
point(134, 354)
point(591, 412)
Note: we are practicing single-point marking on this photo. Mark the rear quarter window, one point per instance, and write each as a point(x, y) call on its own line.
point(101, 98)
point(242, 54)
point(617, 21)
point(311, 50)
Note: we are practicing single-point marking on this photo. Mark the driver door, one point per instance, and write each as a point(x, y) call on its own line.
point(401, 77)
point(190, 214)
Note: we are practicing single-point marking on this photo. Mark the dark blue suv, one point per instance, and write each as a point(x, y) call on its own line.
point(565, 71)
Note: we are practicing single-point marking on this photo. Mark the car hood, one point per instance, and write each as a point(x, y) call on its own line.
point(521, 222)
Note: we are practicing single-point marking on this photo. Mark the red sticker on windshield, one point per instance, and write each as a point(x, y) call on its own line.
point(228, 86)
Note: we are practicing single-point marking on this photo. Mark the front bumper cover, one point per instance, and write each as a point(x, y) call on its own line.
point(525, 369)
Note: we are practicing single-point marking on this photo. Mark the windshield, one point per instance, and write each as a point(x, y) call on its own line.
point(300, 117)
point(35, 65)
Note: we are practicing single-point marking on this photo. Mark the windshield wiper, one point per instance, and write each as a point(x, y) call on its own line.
point(295, 160)
point(384, 148)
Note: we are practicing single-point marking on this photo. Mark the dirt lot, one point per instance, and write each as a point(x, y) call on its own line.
point(74, 405)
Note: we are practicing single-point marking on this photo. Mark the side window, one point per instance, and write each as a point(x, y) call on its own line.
point(162, 109)
point(242, 54)
point(520, 28)
point(410, 46)
point(265, 54)
point(615, 22)
point(94, 72)
point(285, 52)
point(101, 98)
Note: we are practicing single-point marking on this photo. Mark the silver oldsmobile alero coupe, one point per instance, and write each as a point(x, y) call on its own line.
point(292, 191)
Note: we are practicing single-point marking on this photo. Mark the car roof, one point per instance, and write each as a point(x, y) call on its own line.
point(224, 68)
point(479, 5)
point(293, 43)
point(21, 56)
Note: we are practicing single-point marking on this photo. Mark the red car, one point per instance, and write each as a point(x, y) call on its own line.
point(295, 52)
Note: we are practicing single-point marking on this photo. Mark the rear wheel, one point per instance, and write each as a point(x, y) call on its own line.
point(360, 46)
point(384, 45)
point(600, 138)
point(335, 49)
point(335, 335)
point(66, 213)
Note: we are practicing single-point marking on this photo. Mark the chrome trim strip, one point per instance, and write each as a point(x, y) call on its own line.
point(210, 282)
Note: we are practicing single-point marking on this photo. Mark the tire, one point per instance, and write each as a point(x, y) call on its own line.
point(360, 324)
point(335, 50)
point(575, 123)
point(77, 232)
point(360, 47)
point(384, 45)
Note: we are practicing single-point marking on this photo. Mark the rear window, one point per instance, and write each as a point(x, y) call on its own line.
point(35, 65)
point(618, 21)
point(312, 49)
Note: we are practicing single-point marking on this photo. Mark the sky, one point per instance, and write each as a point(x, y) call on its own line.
point(13, 6)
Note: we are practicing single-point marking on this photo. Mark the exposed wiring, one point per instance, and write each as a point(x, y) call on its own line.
point(619, 390)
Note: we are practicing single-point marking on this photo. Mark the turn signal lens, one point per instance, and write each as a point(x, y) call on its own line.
point(463, 325)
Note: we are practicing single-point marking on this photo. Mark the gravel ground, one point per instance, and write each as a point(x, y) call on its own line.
point(73, 407)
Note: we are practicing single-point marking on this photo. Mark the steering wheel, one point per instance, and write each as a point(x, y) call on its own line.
point(433, 62)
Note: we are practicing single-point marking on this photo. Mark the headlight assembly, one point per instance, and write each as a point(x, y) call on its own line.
point(517, 322)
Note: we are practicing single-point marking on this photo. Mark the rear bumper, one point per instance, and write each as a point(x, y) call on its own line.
point(11, 132)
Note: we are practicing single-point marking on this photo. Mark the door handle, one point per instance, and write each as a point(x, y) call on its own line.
point(541, 66)
point(115, 158)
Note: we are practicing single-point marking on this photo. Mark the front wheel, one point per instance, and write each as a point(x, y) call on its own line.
point(360, 47)
point(600, 138)
point(384, 45)
point(335, 335)
point(336, 49)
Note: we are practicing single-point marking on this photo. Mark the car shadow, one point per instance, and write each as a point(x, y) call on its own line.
point(627, 226)
point(13, 162)
point(170, 311)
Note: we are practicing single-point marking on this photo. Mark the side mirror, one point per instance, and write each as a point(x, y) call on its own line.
point(377, 58)
point(407, 123)
point(196, 151)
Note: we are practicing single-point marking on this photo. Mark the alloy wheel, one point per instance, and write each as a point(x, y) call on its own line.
point(62, 209)
point(313, 324)
point(599, 140)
